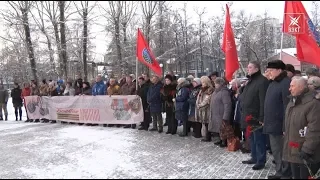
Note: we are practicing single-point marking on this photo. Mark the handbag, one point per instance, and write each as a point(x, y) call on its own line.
point(226, 131)
point(233, 144)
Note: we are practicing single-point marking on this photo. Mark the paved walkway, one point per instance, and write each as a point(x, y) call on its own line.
point(31, 150)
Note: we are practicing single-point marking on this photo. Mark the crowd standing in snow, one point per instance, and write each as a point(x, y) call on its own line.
point(275, 112)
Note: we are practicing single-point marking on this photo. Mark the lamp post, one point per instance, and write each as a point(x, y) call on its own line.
point(207, 70)
point(161, 65)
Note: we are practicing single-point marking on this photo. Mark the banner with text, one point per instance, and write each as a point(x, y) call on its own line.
point(86, 109)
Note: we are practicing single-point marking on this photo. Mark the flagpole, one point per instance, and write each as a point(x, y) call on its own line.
point(137, 73)
point(281, 44)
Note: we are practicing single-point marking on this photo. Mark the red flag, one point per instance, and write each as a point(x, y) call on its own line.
point(229, 48)
point(297, 23)
point(145, 55)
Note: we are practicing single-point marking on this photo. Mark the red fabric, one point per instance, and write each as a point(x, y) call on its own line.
point(306, 38)
point(248, 132)
point(294, 144)
point(248, 118)
point(145, 55)
point(229, 48)
point(25, 92)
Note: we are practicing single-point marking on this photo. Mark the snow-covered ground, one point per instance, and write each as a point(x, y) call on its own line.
point(36, 150)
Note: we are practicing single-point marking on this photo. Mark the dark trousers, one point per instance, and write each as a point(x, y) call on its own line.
point(258, 147)
point(157, 118)
point(282, 168)
point(18, 109)
point(197, 129)
point(171, 121)
point(146, 120)
point(300, 171)
point(186, 126)
point(237, 130)
point(208, 134)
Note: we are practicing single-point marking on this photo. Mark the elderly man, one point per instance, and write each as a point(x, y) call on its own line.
point(312, 72)
point(252, 104)
point(99, 88)
point(290, 70)
point(154, 102)
point(302, 130)
point(274, 109)
point(129, 88)
point(113, 89)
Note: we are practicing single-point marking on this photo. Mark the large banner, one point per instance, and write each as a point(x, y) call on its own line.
point(86, 109)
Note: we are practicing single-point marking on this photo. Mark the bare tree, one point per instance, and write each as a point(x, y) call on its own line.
point(21, 10)
point(315, 13)
point(41, 24)
point(149, 9)
point(63, 39)
point(200, 14)
point(83, 11)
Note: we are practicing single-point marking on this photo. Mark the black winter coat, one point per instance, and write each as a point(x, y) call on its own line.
point(16, 97)
point(143, 92)
point(275, 104)
point(252, 98)
point(168, 92)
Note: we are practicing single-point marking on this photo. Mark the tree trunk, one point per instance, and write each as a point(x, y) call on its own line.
point(29, 44)
point(125, 43)
point(85, 39)
point(57, 37)
point(51, 53)
point(118, 45)
point(63, 40)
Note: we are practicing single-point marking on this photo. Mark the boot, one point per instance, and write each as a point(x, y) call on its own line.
point(16, 119)
point(127, 126)
point(223, 144)
point(53, 121)
point(37, 120)
point(6, 118)
point(30, 120)
point(1, 118)
point(20, 118)
point(27, 120)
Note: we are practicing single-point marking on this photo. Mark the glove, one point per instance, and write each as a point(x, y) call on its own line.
point(306, 157)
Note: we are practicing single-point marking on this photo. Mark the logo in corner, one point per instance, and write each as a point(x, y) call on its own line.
point(146, 56)
point(295, 23)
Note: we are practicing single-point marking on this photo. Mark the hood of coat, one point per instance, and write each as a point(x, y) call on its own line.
point(183, 84)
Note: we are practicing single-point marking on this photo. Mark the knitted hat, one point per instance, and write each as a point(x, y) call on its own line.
point(197, 80)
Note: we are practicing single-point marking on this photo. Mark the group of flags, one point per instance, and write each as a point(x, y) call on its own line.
point(296, 22)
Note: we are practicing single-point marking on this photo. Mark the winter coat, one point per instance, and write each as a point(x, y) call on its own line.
point(99, 88)
point(192, 102)
point(202, 112)
point(154, 98)
point(78, 86)
point(69, 91)
point(252, 98)
point(52, 91)
point(43, 90)
point(302, 111)
point(26, 92)
point(181, 104)
point(87, 91)
point(113, 90)
point(16, 97)
point(4, 96)
point(220, 108)
point(143, 93)
point(35, 91)
point(168, 92)
point(128, 89)
point(275, 104)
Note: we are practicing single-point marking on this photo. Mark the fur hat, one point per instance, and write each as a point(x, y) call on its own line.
point(168, 76)
point(197, 80)
point(276, 64)
point(290, 67)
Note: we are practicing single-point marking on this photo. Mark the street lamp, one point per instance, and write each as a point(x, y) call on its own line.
point(207, 70)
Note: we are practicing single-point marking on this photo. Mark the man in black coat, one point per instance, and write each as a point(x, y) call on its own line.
point(252, 104)
point(142, 92)
point(274, 112)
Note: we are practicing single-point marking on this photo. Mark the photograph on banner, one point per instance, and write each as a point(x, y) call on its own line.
point(87, 109)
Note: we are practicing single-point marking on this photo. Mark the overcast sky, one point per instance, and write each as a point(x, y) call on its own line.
point(213, 8)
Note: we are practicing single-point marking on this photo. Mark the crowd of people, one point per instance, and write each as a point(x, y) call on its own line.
point(274, 111)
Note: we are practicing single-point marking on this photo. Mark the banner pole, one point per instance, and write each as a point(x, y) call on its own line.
point(281, 44)
point(137, 69)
